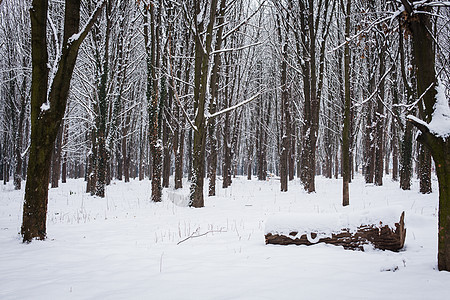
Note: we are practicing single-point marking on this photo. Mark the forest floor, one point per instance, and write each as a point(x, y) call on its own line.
point(126, 247)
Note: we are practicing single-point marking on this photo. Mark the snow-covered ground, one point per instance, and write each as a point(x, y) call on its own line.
point(125, 247)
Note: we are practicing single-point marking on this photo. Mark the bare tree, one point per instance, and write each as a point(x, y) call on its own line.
point(48, 104)
point(419, 26)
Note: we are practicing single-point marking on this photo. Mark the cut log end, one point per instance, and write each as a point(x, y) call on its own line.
point(381, 237)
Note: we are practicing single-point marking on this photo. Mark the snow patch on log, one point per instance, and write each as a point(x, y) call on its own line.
point(326, 224)
point(440, 121)
point(384, 228)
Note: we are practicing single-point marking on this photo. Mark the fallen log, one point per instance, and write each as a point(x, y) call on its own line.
point(385, 235)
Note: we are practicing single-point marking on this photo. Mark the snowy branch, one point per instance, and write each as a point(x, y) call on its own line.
point(231, 108)
point(77, 38)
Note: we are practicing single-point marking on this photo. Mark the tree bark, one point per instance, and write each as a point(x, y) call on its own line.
point(381, 237)
point(214, 92)
point(286, 117)
point(64, 163)
point(380, 122)
point(152, 47)
point(101, 119)
point(166, 104)
point(347, 104)
point(19, 137)
point(419, 25)
point(424, 170)
point(45, 123)
point(407, 145)
point(200, 86)
point(56, 158)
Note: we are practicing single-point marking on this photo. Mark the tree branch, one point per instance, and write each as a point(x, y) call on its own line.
point(75, 40)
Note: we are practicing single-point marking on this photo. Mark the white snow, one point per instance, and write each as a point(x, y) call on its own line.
point(45, 106)
point(125, 247)
point(440, 121)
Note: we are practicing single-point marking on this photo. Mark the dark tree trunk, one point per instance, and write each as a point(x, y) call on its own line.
point(19, 137)
point(407, 145)
point(56, 158)
point(64, 163)
point(406, 158)
point(152, 41)
point(283, 163)
point(166, 104)
point(180, 131)
point(291, 163)
point(380, 122)
point(119, 159)
point(189, 155)
point(395, 157)
point(45, 124)
point(179, 153)
point(312, 105)
point(227, 153)
point(214, 91)
point(125, 155)
point(424, 170)
point(1, 160)
point(286, 117)
point(91, 166)
point(347, 104)
point(101, 119)
point(422, 45)
point(261, 137)
point(312, 88)
point(396, 123)
point(64, 169)
point(369, 140)
point(142, 143)
point(200, 87)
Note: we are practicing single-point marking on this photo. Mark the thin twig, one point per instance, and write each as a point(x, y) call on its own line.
point(199, 235)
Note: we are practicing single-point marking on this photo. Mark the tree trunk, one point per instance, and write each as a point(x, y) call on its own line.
point(214, 92)
point(142, 143)
point(396, 123)
point(1, 161)
point(166, 152)
point(202, 52)
point(19, 137)
point(227, 153)
point(91, 166)
point(189, 155)
point(166, 105)
point(179, 153)
point(64, 169)
point(56, 157)
point(286, 117)
point(381, 237)
point(312, 90)
point(152, 47)
point(45, 123)
point(101, 119)
point(422, 44)
point(407, 145)
point(347, 104)
point(64, 164)
point(380, 122)
point(424, 170)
